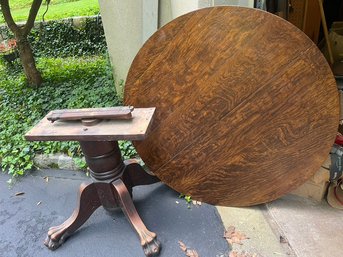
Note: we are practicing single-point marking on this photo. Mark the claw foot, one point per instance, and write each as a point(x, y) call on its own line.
point(151, 246)
point(56, 237)
point(52, 245)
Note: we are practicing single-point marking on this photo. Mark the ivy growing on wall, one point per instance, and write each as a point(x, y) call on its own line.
point(62, 38)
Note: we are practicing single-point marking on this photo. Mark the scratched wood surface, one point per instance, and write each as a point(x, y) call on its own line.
point(107, 130)
point(247, 106)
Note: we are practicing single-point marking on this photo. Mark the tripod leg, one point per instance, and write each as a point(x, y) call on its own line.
point(151, 246)
point(135, 175)
point(88, 203)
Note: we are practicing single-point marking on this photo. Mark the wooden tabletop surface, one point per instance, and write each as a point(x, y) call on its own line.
point(247, 106)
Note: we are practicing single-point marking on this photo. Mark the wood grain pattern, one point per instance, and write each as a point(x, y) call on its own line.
point(107, 130)
point(247, 107)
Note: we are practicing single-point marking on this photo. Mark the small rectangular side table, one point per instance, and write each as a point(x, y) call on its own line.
point(112, 178)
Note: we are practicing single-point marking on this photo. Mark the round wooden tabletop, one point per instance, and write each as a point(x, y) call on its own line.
point(247, 106)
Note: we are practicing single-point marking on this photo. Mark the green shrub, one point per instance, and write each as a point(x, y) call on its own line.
point(58, 9)
point(82, 79)
point(68, 83)
point(62, 39)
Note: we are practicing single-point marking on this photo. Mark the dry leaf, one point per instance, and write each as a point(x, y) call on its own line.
point(19, 193)
point(188, 252)
point(196, 202)
point(233, 236)
point(39, 203)
point(283, 240)
point(191, 253)
point(230, 230)
point(242, 254)
point(233, 254)
point(183, 246)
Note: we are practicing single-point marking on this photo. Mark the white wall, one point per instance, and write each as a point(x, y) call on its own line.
point(129, 23)
point(127, 27)
point(171, 9)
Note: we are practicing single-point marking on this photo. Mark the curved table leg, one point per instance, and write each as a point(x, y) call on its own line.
point(151, 246)
point(88, 203)
point(135, 175)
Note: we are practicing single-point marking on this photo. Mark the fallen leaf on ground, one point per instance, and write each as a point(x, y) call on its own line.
point(183, 247)
point(196, 202)
point(19, 193)
point(188, 252)
point(283, 240)
point(233, 236)
point(230, 230)
point(242, 254)
point(191, 253)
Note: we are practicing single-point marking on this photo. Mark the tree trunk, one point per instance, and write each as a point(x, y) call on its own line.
point(26, 56)
point(21, 32)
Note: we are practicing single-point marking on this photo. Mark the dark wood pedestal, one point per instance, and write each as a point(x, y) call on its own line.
point(112, 178)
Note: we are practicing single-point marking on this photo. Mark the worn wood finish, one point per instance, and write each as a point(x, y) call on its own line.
point(110, 195)
point(247, 107)
point(151, 246)
point(88, 202)
point(135, 128)
point(108, 113)
point(113, 178)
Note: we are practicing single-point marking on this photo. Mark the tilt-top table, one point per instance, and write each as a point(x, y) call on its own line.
point(246, 105)
point(246, 111)
point(98, 130)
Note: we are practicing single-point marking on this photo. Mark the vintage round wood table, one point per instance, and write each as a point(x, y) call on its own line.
point(246, 105)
